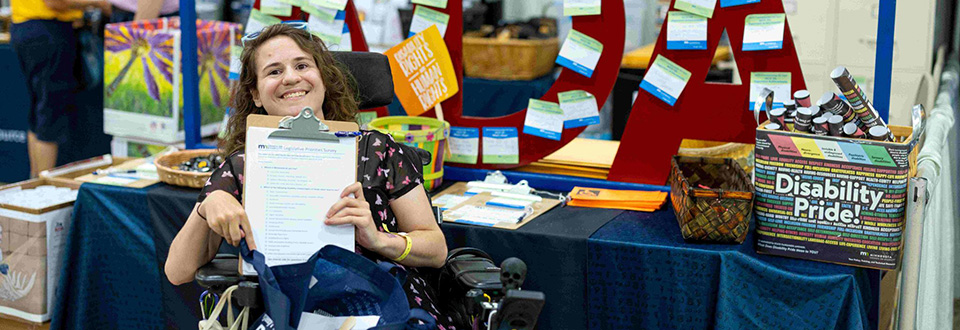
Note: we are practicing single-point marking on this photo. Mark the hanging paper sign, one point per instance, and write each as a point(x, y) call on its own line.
point(258, 20)
point(686, 31)
point(424, 17)
point(665, 80)
point(365, 117)
point(778, 82)
point(697, 7)
point(275, 7)
point(763, 32)
point(334, 4)
point(464, 145)
point(423, 73)
point(346, 44)
point(321, 13)
point(731, 3)
point(501, 145)
point(580, 53)
point(579, 108)
point(544, 119)
point(432, 3)
point(581, 7)
point(235, 65)
point(298, 3)
point(330, 32)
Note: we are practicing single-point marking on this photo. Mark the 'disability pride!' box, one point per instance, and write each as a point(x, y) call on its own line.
point(832, 199)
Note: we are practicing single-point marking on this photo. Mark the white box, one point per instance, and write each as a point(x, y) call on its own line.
point(31, 243)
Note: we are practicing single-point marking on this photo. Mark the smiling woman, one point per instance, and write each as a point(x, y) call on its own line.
point(284, 70)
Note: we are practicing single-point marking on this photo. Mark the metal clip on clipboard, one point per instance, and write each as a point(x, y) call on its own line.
point(305, 126)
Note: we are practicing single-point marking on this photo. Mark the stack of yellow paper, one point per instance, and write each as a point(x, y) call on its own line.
point(634, 200)
point(581, 157)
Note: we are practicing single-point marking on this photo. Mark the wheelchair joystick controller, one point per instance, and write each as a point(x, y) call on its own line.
point(512, 273)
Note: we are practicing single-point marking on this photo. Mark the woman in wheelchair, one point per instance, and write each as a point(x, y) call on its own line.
point(284, 70)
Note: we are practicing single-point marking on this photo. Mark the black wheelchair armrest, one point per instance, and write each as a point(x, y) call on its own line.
point(220, 273)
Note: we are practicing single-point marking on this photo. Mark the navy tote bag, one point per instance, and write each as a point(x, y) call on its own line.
point(337, 282)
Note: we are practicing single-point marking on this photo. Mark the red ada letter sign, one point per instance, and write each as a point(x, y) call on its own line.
point(423, 74)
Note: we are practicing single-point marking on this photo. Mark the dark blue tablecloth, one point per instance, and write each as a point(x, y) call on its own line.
point(494, 98)
point(643, 275)
point(634, 272)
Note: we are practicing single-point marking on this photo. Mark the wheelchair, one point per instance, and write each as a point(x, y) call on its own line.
point(474, 291)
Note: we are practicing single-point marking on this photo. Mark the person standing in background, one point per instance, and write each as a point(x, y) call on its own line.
point(44, 38)
point(135, 10)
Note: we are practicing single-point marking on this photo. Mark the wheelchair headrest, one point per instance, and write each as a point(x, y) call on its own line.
point(372, 74)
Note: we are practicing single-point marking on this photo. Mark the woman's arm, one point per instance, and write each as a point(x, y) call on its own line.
point(428, 247)
point(194, 246)
point(415, 217)
point(199, 239)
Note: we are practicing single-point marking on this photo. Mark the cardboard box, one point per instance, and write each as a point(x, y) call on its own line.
point(12, 323)
point(142, 77)
point(31, 244)
point(832, 199)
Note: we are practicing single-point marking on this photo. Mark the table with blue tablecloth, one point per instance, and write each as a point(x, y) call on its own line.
point(599, 269)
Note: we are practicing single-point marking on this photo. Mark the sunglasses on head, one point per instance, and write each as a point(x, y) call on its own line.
point(253, 35)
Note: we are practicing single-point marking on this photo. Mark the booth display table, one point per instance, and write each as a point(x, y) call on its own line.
point(598, 269)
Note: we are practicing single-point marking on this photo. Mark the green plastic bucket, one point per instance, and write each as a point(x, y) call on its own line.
point(425, 133)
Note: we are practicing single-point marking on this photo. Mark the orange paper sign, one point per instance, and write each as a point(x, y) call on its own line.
point(423, 74)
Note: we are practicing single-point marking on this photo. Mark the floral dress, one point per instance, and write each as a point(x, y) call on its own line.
point(386, 174)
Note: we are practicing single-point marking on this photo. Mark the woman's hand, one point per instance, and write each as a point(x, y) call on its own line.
point(356, 211)
point(226, 217)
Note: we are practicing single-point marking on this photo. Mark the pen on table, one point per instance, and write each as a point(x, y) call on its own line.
point(512, 206)
point(110, 171)
point(347, 133)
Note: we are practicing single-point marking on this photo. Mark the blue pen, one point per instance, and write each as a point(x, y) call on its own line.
point(512, 206)
point(347, 133)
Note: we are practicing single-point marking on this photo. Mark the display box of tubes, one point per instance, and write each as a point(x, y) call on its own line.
point(829, 194)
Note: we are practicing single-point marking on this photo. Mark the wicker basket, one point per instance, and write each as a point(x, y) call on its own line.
point(510, 59)
point(169, 174)
point(712, 198)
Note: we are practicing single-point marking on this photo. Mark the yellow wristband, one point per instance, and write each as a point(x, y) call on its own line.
point(406, 251)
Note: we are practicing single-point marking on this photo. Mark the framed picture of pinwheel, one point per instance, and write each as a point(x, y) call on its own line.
point(143, 78)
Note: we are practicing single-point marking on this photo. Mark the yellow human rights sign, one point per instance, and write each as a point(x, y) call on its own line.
point(423, 74)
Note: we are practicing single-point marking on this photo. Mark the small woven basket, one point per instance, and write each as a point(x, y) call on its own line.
point(511, 59)
point(712, 198)
point(169, 174)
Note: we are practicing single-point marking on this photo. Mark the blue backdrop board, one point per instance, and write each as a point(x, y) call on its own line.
point(13, 118)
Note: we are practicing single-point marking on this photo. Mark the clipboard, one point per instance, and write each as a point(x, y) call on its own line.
point(481, 199)
point(304, 126)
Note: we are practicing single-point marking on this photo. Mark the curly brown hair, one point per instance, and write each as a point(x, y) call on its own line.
point(340, 100)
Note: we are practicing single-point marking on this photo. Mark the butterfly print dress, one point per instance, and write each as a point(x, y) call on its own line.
point(386, 174)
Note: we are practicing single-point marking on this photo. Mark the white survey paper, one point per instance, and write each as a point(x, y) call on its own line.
point(290, 185)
